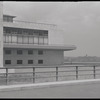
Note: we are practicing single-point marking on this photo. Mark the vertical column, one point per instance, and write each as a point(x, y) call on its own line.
point(1, 34)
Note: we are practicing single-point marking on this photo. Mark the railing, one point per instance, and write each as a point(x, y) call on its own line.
point(54, 72)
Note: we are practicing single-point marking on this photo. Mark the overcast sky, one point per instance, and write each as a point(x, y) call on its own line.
point(80, 21)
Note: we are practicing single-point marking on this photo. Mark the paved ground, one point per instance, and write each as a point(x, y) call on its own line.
point(79, 90)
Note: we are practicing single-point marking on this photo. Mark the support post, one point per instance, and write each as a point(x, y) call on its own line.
point(56, 73)
point(94, 71)
point(76, 72)
point(1, 34)
point(33, 74)
point(6, 76)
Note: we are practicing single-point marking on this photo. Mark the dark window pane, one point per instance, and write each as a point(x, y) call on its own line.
point(40, 52)
point(40, 61)
point(30, 51)
point(30, 61)
point(19, 51)
point(7, 61)
point(7, 51)
point(19, 61)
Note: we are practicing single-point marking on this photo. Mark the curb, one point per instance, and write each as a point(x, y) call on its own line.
point(47, 84)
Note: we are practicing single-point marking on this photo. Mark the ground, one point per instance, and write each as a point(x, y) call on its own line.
point(80, 90)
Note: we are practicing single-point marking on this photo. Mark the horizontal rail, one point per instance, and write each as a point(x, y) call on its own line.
point(61, 66)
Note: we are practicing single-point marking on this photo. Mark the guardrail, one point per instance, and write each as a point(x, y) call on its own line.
point(56, 72)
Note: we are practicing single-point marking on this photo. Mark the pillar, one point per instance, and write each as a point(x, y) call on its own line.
point(1, 34)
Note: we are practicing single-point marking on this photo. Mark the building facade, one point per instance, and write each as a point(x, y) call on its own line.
point(30, 44)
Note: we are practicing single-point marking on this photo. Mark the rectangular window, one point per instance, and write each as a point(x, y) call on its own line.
point(35, 40)
point(19, 52)
point(30, 51)
point(7, 61)
point(7, 51)
point(40, 61)
point(40, 40)
point(40, 52)
point(14, 39)
point(25, 39)
point(8, 38)
point(30, 61)
point(20, 39)
point(19, 61)
point(31, 39)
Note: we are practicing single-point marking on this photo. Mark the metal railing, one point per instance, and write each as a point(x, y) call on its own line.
point(55, 72)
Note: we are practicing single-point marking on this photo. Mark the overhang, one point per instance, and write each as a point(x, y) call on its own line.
point(46, 47)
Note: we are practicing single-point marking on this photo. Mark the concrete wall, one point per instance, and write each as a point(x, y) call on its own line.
point(1, 34)
point(56, 37)
point(50, 57)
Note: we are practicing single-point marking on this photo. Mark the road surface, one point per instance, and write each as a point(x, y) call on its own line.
point(82, 90)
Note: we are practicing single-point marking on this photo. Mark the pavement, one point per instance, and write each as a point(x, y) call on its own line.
point(89, 88)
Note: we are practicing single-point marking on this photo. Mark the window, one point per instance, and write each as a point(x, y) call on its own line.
point(40, 40)
point(20, 39)
point(30, 61)
point(7, 61)
point(40, 61)
point(30, 51)
point(7, 51)
point(40, 52)
point(19, 61)
point(19, 51)
point(25, 39)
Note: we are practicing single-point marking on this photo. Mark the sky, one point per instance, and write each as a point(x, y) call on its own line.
point(80, 21)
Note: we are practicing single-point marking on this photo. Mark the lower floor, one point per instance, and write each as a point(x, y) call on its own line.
point(32, 57)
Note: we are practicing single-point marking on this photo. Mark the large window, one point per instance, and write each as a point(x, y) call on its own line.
point(25, 39)
point(19, 61)
point(25, 36)
point(20, 40)
point(7, 19)
point(41, 40)
point(7, 61)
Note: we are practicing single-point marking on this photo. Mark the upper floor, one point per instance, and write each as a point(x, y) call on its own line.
point(24, 32)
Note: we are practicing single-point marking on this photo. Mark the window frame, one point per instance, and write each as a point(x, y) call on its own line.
point(7, 53)
point(30, 61)
point(19, 61)
point(7, 62)
point(40, 53)
point(39, 61)
point(19, 53)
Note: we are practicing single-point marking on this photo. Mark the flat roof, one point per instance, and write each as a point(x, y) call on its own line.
point(47, 47)
point(9, 15)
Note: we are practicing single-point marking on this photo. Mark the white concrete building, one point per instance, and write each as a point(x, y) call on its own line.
point(27, 44)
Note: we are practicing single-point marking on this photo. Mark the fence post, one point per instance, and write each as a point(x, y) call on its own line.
point(6, 76)
point(33, 74)
point(94, 71)
point(56, 73)
point(76, 72)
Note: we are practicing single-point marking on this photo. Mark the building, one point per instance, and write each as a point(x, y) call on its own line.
point(30, 44)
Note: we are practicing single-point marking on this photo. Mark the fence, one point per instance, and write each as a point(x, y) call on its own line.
point(54, 71)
